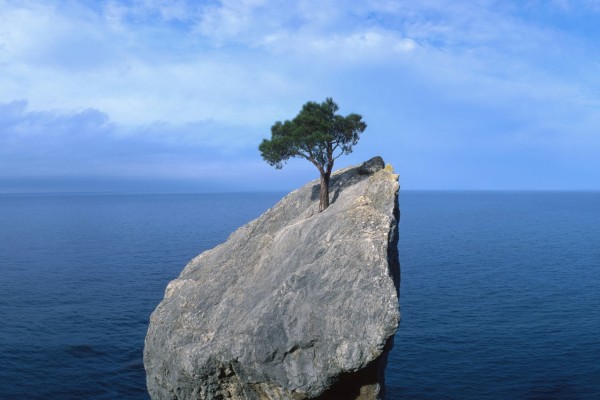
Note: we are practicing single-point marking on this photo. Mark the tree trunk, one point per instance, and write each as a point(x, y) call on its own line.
point(324, 193)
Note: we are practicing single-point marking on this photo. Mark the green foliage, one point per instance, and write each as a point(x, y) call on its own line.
point(317, 134)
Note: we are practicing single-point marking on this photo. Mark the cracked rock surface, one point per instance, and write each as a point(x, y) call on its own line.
point(295, 305)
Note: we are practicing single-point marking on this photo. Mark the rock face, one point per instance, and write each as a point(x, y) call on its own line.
point(296, 304)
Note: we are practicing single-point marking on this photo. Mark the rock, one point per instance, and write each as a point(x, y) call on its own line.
point(296, 304)
point(371, 166)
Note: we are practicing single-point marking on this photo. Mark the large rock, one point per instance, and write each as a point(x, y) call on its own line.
point(296, 304)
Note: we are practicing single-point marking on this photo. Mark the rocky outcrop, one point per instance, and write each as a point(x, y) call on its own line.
point(296, 304)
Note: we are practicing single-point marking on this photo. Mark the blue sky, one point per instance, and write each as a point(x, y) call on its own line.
point(176, 95)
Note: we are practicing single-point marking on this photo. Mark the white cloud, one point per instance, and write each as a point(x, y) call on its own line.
point(136, 63)
point(329, 30)
point(234, 20)
point(68, 38)
point(119, 12)
point(368, 45)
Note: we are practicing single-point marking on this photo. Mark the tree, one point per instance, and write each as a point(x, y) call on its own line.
point(317, 134)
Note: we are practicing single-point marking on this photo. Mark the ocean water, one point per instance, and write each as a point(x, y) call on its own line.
point(500, 291)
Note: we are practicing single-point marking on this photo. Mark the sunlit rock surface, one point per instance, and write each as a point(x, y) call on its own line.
point(296, 304)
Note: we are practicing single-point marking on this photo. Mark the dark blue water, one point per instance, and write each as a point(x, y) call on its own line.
point(500, 291)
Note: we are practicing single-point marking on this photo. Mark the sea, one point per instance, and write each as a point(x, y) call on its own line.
point(499, 296)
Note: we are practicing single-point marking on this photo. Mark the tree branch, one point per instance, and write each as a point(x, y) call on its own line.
point(314, 162)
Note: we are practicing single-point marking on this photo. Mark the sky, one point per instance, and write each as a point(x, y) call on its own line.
point(176, 95)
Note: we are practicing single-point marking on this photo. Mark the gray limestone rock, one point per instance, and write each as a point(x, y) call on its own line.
point(295, 305)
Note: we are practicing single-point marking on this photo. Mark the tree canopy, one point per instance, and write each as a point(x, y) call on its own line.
point(317, 134)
